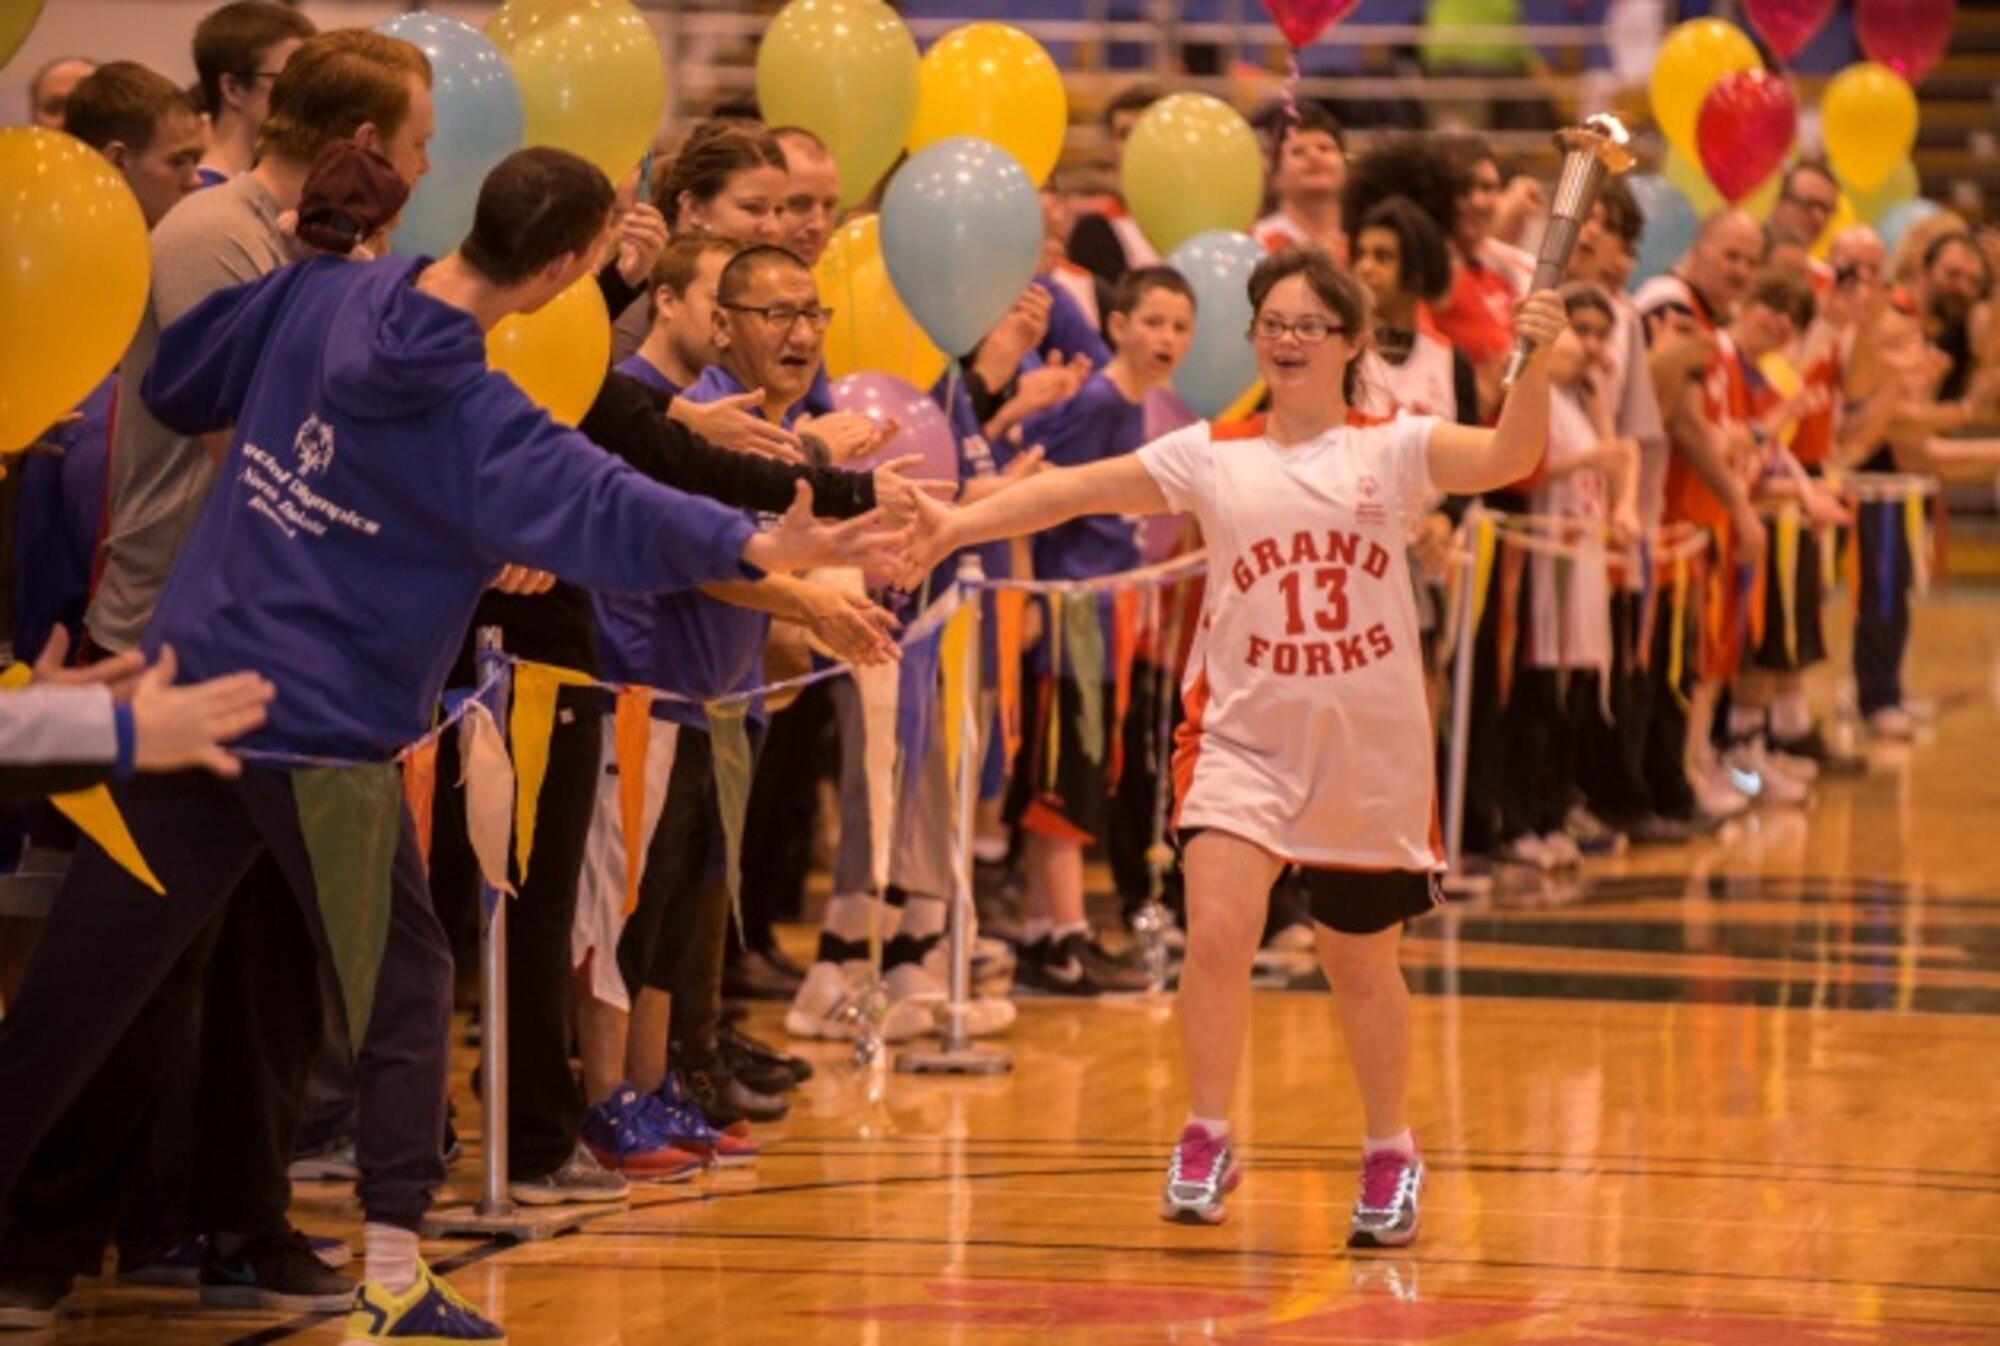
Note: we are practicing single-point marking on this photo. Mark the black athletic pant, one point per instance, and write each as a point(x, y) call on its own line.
point(1129, 836)
point(800, 750)
point(545, 1105)
point(674, 941)
point(1882, 619)
point(1663, 734)
point(85, 1050)
point(1536, 788)
point(1610, 753)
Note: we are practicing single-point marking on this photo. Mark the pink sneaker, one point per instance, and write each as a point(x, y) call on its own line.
point(1200, 1177)
point(1385, 1215)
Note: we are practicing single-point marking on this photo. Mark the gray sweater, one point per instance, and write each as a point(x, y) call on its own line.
point(57, 739)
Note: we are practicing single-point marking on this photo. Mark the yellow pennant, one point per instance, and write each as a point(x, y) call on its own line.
point(1677, 632)
point(1788, 577)
point(1916, 533)
point(532, 722)
point(631, 739)
point(1486, 540)
point(96, 815)
point(952, 655)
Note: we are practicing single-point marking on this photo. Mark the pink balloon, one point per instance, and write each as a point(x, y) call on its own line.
point(1908, 36)
point(1303, 20)
point(1787, 25)
point(1745, 130)
point(921, 425)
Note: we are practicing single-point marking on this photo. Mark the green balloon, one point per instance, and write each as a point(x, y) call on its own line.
point(1192, 165)
point(846, 70)
point(17, 20)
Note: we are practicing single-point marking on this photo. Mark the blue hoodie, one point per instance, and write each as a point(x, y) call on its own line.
point(688, 643)
point(378, 477)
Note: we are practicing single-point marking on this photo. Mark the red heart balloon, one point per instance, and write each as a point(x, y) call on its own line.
point(1303, 20)
point(1787, 25)
point(1908, 36)
point(1744, 131)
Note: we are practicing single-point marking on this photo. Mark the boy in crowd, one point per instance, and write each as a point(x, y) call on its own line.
point(239, 52)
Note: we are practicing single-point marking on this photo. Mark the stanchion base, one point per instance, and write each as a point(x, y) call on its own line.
point(941, 1061)
point(523, 1224)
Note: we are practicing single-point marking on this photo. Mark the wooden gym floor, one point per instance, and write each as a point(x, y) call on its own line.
point(1741, 1094)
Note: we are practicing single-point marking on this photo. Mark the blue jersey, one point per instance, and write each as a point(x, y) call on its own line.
point(1098, 423)
point(639, 367)
point(378, 476)
point(62, 502)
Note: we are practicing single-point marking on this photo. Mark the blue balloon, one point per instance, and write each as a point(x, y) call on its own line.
point(1895, 223)
point(1220, 365)
point(1671, 223)
point(478, 108)
point(961, 235)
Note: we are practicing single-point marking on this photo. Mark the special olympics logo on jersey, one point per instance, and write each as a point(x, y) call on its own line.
point(314, 446)
point(1371, 509)
point(1369, 487)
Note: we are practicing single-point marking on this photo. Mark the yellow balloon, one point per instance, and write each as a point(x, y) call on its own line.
point(1845, 217)
point(558, 353)
point(847, 71)
point(592, 82)
point(1695, 55)
point(74, 272)
point(1191, 164)
point(517, 18)
point(871, 329)
point(1901, 185)
point(17, 20)
point(1868, 119)
point(993, 82)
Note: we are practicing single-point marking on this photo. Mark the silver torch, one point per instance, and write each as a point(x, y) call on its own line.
point(1591, 153)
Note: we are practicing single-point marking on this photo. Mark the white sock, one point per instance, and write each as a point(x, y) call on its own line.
point(923, 917)
point(1216, 1127)
point(850, 916)
point(391, 1256)
point(1034, 930)
point(990, 850)
point(1403, 1144)
point(1063, 932)
point(1791, 718)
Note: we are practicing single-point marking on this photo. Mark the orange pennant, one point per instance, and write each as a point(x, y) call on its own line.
point(420, 771)
point(1124, 649)
point(631, 735)
point(1010, 608)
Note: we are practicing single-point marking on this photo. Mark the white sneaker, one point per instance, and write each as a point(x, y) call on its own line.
point(1754, 775)
point(1527, 850)
point(1893, 723)
point(1802, 769)
point(828, 1004)
point(1562, 851)
point(1716, 796)
point(917, 998)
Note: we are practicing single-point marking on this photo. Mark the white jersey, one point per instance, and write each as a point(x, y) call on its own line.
point(1420, 386)
point(1307, 729)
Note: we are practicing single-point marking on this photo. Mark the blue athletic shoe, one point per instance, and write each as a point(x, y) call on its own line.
point(675, 1115)
point(429, 1313)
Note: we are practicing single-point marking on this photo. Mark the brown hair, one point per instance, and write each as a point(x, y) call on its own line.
point(232, 40)
point(1785, 292)
point(125, 102)
point(1133, 287)
point(1333, 284)
point(536, 205)
point(336, 83)
point(744, 267)
point(681, 259)
point(714, 152)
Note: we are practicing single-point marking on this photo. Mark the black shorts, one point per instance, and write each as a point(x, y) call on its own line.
point(1357, 901)
point(1772, 654)
point(1072, 802)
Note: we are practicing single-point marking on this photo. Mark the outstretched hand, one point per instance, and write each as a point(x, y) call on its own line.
point(176, 728)
point(732, 423)
point(120, 674)
point(850, 627)
point(801, 541)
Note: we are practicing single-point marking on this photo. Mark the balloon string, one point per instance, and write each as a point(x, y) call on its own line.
point(1291, 89)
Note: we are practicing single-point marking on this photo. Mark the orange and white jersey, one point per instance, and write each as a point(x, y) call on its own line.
point(1420, 386)
point(1307, 729)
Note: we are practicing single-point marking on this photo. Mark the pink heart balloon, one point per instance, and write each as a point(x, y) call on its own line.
point(1744, 131)
point(1303, 20)
point(1787, 25)
point(1908, 36)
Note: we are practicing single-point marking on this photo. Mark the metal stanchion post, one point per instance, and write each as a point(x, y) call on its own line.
point(955, 1054)
point(495, 1213)
point(1464, 655)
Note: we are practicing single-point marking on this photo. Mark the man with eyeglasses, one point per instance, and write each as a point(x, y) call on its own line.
point(239, 51)
point(1807, 199)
